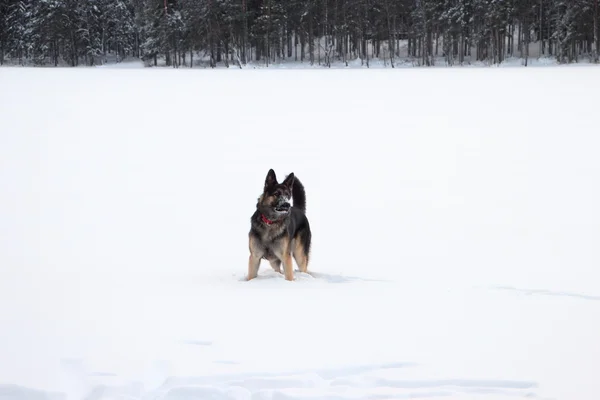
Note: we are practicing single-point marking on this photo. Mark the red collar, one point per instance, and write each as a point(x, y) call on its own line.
point(266, 220)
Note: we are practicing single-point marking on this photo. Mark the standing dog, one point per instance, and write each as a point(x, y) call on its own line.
point(278, 230)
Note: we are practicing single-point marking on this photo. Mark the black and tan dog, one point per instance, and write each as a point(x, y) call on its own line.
point(279, 231)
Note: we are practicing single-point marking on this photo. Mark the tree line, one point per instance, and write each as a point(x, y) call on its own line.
point(236, 32)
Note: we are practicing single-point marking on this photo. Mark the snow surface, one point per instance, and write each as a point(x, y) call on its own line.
point(455, 222)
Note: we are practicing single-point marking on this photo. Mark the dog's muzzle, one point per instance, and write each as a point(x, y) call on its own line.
point(283, 205)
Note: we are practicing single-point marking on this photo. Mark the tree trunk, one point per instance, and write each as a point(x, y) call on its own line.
point(511, 34)
point(541, 31)
point(549, 36)
point(311, 42)
point(461, 52)
point(245, 37)
point(56, 55)
point(596, 41)
point(73, 50)
point(526, 28)
point(302, 46)
point(519, 42)
point(390, 35)
point(289, 44)
point(267, 39)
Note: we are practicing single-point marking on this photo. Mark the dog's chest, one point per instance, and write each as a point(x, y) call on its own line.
point(269, 236)
point(271, 242)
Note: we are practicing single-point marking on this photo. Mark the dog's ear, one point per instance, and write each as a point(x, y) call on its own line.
point(289, 181)
point(271, 180)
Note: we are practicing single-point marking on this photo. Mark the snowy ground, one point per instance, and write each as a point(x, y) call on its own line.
point(454, 212)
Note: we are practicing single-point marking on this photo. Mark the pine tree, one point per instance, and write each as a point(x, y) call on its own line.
point(4, 28)
point(317, 31)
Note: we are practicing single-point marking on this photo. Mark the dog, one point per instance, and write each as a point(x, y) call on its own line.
point(278, 230)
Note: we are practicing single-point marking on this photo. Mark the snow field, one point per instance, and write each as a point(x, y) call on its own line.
point(453, 212)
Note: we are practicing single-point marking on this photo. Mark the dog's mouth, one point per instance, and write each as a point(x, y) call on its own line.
point(283, 207)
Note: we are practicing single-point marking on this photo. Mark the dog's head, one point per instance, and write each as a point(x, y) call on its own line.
point(275, 200)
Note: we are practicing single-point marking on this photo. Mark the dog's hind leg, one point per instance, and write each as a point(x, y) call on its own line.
point(276, 265)
point(300, 255)
point(288, 267)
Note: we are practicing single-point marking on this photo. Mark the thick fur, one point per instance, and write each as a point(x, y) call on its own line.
point(277, 235)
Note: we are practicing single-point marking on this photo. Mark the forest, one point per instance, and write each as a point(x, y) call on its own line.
point(183, 33)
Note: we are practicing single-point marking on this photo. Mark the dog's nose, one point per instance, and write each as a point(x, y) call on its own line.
point(283, 206)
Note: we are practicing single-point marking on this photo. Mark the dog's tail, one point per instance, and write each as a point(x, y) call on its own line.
point(299, 195)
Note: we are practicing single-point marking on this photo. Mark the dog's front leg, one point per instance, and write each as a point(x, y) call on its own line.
point(253, 264)
point(254, 260)
point(284, 253)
